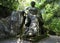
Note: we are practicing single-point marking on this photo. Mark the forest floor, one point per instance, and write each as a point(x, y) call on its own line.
point(50, 39)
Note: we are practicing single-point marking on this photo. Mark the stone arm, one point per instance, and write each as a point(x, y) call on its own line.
point(25, 15)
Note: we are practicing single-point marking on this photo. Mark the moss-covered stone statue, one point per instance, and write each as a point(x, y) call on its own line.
point(33, 23)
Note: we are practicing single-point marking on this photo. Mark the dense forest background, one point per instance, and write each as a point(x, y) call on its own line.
point(50, 11)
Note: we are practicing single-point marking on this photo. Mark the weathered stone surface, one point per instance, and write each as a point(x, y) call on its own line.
point(11, 25)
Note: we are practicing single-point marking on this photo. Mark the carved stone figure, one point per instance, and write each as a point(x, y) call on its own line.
point(31, 22)
point(11, 25)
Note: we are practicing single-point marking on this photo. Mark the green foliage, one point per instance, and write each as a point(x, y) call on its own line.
point(55, 25)
point(11, 4)
point(50, 13)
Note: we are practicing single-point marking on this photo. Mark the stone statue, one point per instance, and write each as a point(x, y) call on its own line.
point(31, 22)
point(11, 25)
point(16, 21)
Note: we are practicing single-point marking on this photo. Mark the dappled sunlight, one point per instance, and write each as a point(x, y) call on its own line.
point(25, 3)
point(18, 41)
point(27, 21)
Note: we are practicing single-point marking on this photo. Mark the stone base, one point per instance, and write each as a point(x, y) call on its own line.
point(35, 38)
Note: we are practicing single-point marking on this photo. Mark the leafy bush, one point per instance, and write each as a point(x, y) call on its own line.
point(51, 14)
point(11, 4)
